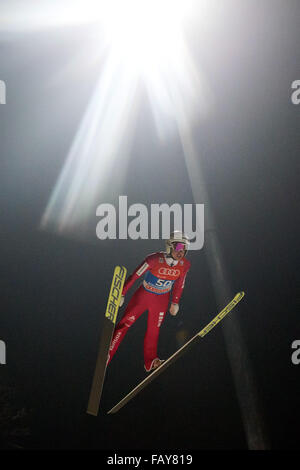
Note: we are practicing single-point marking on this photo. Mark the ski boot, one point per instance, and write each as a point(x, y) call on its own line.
point(154, 364)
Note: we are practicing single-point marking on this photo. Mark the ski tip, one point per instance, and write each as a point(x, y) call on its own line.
point(239, 295)
point(119, 269)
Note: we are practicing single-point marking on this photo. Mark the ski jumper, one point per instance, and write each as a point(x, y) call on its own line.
point(163, 278)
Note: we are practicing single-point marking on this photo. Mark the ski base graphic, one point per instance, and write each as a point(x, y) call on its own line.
point(106, 337)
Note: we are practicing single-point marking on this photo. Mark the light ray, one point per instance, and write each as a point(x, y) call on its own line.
point(91, 161)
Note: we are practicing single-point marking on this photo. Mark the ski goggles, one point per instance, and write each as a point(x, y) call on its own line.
point(179, 246)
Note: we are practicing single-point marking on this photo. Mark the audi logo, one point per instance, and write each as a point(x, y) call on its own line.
point(169, 272)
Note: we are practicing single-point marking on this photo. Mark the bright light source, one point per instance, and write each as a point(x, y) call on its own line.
point(143, 33)
point(144, 40)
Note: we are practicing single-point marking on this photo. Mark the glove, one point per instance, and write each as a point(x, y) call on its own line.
point(122, 300)
point(174, 309)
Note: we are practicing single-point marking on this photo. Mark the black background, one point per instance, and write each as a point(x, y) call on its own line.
point(54, 289)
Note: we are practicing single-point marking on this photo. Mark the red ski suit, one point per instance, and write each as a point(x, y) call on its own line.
point(153, 295)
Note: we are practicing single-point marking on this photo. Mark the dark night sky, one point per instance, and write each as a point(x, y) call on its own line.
point(54, 289)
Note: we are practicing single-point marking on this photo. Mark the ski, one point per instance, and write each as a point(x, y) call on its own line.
point(106, 337)
point(178, 353)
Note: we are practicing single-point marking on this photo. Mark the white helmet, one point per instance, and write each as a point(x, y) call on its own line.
point(176, 237)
